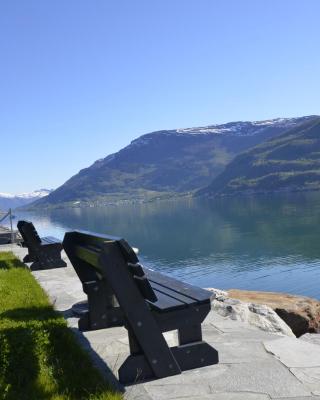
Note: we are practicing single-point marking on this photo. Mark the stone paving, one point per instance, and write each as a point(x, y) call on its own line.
point(254, 365)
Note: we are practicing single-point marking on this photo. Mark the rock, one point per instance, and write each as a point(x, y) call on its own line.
point(260, 316)
point(302, 314)
point(218, 293)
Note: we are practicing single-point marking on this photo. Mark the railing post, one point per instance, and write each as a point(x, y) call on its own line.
point(12, 236)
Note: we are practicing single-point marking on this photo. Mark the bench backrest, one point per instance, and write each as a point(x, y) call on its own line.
point(89, 252)
point(29, 233)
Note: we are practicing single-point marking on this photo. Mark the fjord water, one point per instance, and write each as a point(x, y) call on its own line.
point(269, 242)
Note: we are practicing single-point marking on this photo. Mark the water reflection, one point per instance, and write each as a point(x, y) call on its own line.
point(263, 243)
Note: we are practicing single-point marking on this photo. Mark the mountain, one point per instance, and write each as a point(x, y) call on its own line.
point(16, 200)
point(289, 162)
point(166, 162)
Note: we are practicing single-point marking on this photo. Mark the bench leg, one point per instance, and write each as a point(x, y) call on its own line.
point(51, 257)
point(101, 312)
point(47, 257)
point(190, 334)
point(136, 367)
point(195, 355)
point(30, 257)
point(192, 352)
point(47, 263)
point(192, 355)
point(26, 258)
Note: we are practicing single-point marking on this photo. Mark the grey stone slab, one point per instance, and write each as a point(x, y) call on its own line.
point(298, 398)
point(195, 376)
point(19, 251)
point(136, 392)
point(266, 377)
point(188, 384)
point(294, 352)
point(212, 318)
point(104, 336)
point(212, 335)
point(309, 376)
point(228, 396)
point(172, 391)
point(112, 349)
point(232, 352)
point(311, 338)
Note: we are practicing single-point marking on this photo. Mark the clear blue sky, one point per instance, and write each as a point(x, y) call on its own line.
point(81, 79)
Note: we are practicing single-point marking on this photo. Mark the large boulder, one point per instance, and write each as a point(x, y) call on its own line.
point(258, 315)
point(302, 314)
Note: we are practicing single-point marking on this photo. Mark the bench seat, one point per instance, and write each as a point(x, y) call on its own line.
point(173, 294)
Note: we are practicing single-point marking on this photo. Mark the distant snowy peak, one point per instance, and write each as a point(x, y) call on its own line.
point(8, 200)
point(35, 194)
point(7, 195)
point(32, 195)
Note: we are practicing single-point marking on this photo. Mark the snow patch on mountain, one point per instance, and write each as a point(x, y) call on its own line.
point(31, 195)
point(9, 200)
point(243, 128)
point(237, 128)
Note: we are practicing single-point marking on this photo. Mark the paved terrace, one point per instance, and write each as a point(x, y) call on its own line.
point(254, 365)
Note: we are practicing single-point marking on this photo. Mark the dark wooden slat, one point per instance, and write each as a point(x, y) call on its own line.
point(166, 303)
point(88, 255)
point(96, 238)
point(50, 239)
point(193, 292)
point(145, 288)
point(173, 294)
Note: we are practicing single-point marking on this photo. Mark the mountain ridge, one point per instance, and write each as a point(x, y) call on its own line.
point(165, 163)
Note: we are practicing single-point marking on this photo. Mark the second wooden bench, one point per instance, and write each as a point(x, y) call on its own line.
point(44, 252)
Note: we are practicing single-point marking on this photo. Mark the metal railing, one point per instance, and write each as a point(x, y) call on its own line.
point(3, 217)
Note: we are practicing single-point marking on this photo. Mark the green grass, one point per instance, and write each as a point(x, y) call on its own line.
point(40, 358)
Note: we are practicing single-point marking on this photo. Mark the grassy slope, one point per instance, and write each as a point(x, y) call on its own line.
point(288, 162)
point(39, 355)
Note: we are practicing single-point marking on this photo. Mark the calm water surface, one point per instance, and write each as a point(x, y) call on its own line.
point(262, 243)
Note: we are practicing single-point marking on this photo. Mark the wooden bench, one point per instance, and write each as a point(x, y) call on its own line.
point(43, 253)
point(145, 302)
